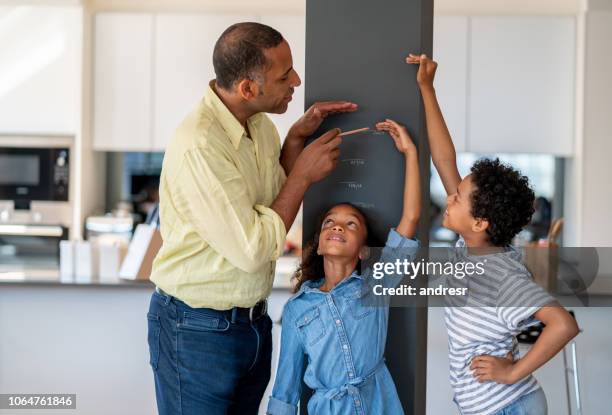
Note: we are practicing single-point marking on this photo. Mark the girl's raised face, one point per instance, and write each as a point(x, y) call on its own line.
point(343, 232)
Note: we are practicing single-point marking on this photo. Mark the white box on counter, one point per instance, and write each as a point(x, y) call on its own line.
point(66, 261)
point(110, 258)
point(86, 261)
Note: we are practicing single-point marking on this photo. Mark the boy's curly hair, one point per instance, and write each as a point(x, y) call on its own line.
point(503, 197)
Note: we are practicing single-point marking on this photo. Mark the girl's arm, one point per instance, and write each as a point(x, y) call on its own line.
point(560, 329)
point(440, 142)
point(412, 185)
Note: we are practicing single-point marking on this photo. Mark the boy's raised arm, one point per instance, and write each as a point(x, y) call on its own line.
point(440, 142)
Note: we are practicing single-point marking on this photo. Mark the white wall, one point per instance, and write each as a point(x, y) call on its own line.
point(597, 140)
point(488, 7)
point(588, 200)
point(233, 6)
point(92, 163)
point(491, 7)
point(506, 7)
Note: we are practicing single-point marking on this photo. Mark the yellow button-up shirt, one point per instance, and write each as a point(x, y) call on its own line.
point(220, 238)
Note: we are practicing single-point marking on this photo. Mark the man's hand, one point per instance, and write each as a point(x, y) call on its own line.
point(315, 162)
point(319, 158)
point(314, 116)
point(496, 369)
point(427, 69)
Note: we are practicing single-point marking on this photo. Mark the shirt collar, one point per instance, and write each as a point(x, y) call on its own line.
point(313, 285)
point(228, 121)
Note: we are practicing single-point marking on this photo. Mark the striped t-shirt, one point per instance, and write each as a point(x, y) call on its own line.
point(500, 304)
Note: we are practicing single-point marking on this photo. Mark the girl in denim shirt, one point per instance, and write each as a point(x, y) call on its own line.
point(327, 325)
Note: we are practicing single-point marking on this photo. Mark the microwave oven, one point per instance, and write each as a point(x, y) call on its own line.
point(34, 173)
point(35, 208)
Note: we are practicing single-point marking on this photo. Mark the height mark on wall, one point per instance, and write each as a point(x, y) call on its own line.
point(365, 205)
point(354, 162)
point(352, 185)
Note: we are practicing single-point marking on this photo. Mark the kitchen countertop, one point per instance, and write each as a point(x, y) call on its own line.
point(285, 267)
point(599, 295)
point(51, 278)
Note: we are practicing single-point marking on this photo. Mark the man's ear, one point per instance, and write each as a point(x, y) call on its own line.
point(364, 253)
point(480, 225)
point(248, 89)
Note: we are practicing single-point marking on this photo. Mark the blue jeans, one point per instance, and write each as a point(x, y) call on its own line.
point(533, 403)
point(207, 361)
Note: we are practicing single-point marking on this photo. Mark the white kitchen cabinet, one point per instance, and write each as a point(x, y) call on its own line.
point(123, 75)
point(183, 66)
point(505, 84)
point(293, 29)
point(521, 87)
point(450, 50)
point(40, 73)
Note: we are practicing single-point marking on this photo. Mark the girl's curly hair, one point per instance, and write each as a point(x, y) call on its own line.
point(311, 267)
point(503, 197)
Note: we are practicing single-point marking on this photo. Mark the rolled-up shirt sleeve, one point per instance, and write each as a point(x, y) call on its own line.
point(397, 247)
point(211, 194)
point(519, 298)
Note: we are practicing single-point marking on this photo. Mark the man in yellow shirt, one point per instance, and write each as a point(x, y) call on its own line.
point(228, 195)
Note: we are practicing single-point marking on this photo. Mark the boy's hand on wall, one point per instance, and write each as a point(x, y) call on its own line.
point(427, 69)
point(496, 369)
point(400, 135)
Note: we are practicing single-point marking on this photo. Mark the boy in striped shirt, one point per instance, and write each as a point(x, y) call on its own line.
point(487, 208)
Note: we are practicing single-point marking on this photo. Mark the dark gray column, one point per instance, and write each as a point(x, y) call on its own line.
point(355, 50)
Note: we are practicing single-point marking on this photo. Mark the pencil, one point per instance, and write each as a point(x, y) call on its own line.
point(359, 130)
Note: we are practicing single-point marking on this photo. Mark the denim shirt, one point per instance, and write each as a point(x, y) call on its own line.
point(341, 341)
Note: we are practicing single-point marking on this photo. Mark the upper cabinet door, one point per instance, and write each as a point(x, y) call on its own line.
point(450, 50)
point(122, 81)
point(40, 69)
point(293, 29)
point(522, 85)
point(183, 66)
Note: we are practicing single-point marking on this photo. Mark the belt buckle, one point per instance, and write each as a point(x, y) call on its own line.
point(264, 309)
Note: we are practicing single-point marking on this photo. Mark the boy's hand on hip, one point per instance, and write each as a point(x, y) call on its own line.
point(314, 116)
point(400, 135)
point(427, 69)
point(496, 369)
point(319, 158)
